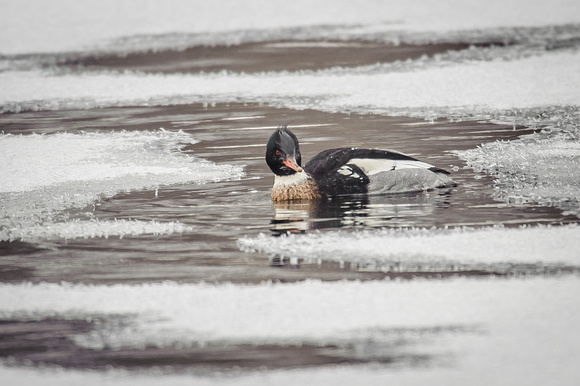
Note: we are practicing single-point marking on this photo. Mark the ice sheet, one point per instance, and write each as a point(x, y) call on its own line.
point(530, 82)
point(527, 330)
point(345, 310)
point(74, 229)
point(34, 161)
point(43, 175)
point(64, 25)
point(429, 249)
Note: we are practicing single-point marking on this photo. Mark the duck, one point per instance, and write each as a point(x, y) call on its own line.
point(345, 171)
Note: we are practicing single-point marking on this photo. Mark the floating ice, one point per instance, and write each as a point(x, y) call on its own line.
point(43, 175)
point(541, 315)
point(95, 228)
point(545, 80)
point(244, 313)
point(543, 167)
point(430, 249)
point(126, 160)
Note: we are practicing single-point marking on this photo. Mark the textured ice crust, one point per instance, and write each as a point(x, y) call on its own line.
point(96, 228)
point(44, 175)
point(430, 249)
point(543, 167)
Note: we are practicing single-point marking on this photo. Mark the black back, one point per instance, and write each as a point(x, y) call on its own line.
point(324, 168)
point(332, 159)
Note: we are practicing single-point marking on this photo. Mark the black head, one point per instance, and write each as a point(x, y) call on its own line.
point(283, 153)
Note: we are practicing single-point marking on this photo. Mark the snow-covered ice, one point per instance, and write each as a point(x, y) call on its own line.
point(538, 81)
point(34, 161)
point(430, 248)
point(527, 330)
point(542, 168)
point(39, 180)
point(64, 25)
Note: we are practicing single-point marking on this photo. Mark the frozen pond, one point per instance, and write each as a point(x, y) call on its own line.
point(139, 244)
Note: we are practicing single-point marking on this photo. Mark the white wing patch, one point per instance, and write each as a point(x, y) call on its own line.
point(373, 166)
point(346, 170)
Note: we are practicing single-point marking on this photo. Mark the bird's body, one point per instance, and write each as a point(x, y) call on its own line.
point(343, 171)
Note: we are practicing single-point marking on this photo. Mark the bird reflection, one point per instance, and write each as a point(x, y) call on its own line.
point(357, 211)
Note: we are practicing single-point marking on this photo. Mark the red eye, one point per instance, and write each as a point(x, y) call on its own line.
point(278, 152)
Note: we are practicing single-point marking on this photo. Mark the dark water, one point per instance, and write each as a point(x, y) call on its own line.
point(221, 213)
point(261, 56)
point(32, 340)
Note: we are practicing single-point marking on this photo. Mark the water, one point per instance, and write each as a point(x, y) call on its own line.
point(140, 244)
point(218, 214)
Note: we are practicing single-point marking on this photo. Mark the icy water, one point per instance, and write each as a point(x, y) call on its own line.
point(140, 245)
point(222, 213)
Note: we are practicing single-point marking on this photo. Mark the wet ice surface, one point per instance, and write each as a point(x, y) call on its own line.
point(142, 254)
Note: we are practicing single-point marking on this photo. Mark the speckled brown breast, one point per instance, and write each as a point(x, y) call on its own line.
point(304, 191)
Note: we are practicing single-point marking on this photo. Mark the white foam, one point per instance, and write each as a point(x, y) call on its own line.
point(523, 329)
point(44, 175)
point(542, 246)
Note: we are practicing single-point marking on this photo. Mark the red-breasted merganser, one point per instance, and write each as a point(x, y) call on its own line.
point(345, 171)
